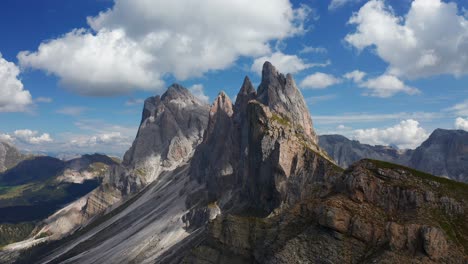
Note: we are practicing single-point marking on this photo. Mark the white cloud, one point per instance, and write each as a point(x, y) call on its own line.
point(31, 137)
point(72, 110)
point(311, 49)
point(386, 86)
point(355, 76)
point(319, 80)
point(460, 109)
point(284, 63)
point(197, 91)
point(366, 117)
point(335, 4)
point(431, 39)
point(13, 96)
point(461, 123)
point(46, 100)
point(134, 101)
point(109, 138)
point(6, 138)
point(137, 42)
point(408, 134)
point(343, 127)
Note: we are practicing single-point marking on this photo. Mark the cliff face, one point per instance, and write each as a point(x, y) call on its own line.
point(259, 189)
point(377, 213)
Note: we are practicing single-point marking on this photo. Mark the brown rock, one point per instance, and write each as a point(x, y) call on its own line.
point(434, 242)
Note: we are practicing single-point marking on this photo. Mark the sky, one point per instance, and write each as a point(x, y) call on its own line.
point(74, 74)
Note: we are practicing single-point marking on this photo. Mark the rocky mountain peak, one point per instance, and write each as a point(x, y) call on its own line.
point(280, 93)
point(176, 91)
point(222, 103)
point(246, 93)
point(172, 125)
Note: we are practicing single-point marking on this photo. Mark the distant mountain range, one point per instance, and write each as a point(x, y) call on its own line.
point(444, 153)
point(36, 187)
point(247, 182)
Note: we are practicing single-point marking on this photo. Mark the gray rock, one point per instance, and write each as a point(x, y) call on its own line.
point(444, 153)
point(10, 156)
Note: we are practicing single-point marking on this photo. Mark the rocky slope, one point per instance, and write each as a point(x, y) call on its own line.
point(258, 189)
point(444, 153)
point(9, 156)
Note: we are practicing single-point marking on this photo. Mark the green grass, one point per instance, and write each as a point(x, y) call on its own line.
point(281, 120)
point(11, 192)
point(448, 187)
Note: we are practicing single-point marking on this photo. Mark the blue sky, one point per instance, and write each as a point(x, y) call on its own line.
point(73, 74)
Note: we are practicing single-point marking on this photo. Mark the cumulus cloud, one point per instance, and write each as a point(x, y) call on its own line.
point(113, 138)
point(31, 137)
point(431, 39)
point(284, 63)
point(355, 76)
point(6, 138)
point(137, 42)
point(386, 86)
point(368, 118)
point(408, 134)
point(319, 80)
point(461, 123)
point(198, 91)
point(13, 96)
point(72, 110)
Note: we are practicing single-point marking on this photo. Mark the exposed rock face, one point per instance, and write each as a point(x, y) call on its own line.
point(172, 126)
point(9, 156)
point(374, 215)
point(280, 93)
point(444, 153)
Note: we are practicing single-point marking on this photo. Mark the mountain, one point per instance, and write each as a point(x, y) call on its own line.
point(444, 153)
point(9, 156)
point(37, 187)
point(346, 152)
point(246, 182)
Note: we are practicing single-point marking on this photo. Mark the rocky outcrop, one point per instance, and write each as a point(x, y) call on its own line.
point(281, 94)
point(172, 126)
point(368, 219)
point(9, 156)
